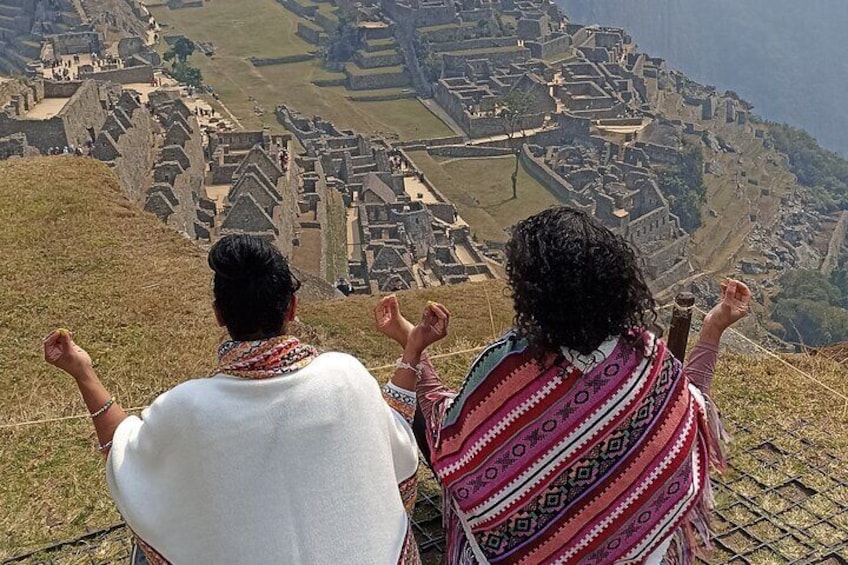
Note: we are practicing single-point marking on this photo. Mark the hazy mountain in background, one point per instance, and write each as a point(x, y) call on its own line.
point(787, 57)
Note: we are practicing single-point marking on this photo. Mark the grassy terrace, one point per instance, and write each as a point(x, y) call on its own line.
point(485, 50)
point(264, 28)
point(387, 43)
point(442, 27)
point(355, 69)
point(481, 189)
point(137, 296)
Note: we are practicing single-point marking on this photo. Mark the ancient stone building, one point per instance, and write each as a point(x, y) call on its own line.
point(177, 195)
point(395, 241)
point(54, 115)
point(262, 200)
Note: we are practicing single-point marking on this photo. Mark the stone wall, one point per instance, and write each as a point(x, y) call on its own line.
point(135, 158)
point(301, 10)
point(456, 62)
point(389, 58)
point(481, 126)
point(267, 62)
point(442, 34)
point(550, 47)
point(678, 272)
point(181, 186)
point(654, 226)
point(75, 43)
point(468, 151)
point(69, 127)
point(83, 114)
point(327, 22)
point(377, 81)
point(15, 146)
point(311, 33)
point(139, 74)
point(476, 43)
point(422, 16)
point(552, 181)
point(60, 89)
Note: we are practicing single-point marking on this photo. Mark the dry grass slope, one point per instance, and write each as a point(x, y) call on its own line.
point(76, 253)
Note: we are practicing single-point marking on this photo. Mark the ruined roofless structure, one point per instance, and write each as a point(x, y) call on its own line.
point(398, 242)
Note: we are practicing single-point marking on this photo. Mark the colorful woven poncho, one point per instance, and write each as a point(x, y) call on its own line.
point(591, 460)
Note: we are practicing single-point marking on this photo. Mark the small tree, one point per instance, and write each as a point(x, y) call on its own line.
point(183, 49)
point(514, 108)
point(186, 74)
point(346, 40)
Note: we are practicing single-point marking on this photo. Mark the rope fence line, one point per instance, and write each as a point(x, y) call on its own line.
point(756, 345)
point(140, 408)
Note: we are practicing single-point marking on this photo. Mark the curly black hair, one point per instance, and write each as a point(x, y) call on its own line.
point(574, 282)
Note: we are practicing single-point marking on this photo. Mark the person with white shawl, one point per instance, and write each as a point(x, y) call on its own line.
point(281, 456)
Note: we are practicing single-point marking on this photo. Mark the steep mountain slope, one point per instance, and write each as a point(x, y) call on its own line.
point(785, 56)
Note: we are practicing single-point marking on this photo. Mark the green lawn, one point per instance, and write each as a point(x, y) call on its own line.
point(481, 189)
point(263, 28)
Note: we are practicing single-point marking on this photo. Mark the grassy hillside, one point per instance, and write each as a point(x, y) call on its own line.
point(76, 254)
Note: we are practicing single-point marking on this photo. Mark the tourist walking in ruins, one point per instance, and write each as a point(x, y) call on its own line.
point(281, 456)
point(576, 437)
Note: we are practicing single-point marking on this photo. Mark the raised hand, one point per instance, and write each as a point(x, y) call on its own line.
point(390, 322)
point(433, 327)
point(733, 306)
point(61, 352)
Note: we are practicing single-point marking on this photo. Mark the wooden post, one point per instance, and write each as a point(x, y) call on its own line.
point(681, 322)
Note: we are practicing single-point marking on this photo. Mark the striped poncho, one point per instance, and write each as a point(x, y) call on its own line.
point(596, 460)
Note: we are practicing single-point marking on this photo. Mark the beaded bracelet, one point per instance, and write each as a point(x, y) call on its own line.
point(105, 447)
point(417, 369)
point(104, 409)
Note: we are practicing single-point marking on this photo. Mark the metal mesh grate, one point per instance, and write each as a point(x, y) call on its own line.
point(783, 500)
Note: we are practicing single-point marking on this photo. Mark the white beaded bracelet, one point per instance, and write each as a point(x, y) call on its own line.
point(105, 446)
point(103, 410)
point(417, 369)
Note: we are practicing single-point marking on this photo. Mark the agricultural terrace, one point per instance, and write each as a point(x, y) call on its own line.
point(265, 29)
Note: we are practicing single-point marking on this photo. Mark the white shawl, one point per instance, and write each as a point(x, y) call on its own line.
point(302, 468)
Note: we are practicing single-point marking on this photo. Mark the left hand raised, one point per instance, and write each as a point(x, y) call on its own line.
point(390, 322)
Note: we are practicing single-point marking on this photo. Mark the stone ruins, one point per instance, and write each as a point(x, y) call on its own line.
point(351, 207)
point(402, 233)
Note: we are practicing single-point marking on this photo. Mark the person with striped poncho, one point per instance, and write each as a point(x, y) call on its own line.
point(576, 437)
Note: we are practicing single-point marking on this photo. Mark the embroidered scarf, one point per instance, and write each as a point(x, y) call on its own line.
point(264, 359)
point(593, 464)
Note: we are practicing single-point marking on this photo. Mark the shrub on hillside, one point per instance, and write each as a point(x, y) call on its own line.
point(683, 186)
point(823, 171)
point(810, 307)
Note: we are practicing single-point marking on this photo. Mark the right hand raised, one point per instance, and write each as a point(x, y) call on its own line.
point(61, 352)
point(734, 305)
point(433, 327)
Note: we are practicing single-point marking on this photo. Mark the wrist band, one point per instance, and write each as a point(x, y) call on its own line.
point(104, 409)
point(105, 446)
point(399, 364)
